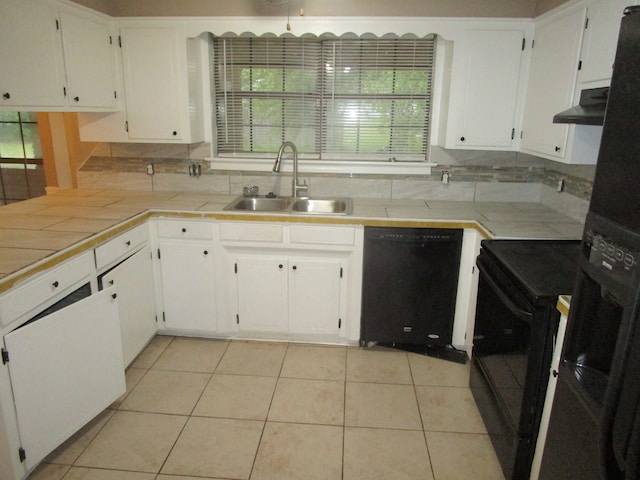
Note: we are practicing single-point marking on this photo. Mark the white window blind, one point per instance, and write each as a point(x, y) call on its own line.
point(335, 99)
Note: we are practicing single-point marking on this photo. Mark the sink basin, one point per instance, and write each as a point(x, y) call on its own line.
point(259, 204)
point(334, 206)
point(319, 206)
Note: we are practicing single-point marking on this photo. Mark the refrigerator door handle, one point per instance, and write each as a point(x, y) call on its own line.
point(620, 426)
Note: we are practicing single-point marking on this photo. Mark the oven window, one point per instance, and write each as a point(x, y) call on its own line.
point(501, 346)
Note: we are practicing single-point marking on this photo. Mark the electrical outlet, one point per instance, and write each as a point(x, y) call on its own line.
point(561, 185)
point(445, 178)
point(150, 169)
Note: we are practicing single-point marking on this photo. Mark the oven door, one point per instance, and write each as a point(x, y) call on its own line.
point(506, 370)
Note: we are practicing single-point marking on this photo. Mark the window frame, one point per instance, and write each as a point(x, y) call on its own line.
point(331, 163)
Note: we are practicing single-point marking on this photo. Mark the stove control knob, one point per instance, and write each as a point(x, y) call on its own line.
point(629, 261)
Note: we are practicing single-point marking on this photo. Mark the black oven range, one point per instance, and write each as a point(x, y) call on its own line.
point(515, 327)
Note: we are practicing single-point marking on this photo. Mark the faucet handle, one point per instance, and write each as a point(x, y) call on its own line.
point(250, 191)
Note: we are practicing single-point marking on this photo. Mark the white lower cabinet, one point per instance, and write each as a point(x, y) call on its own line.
point(288, 295)
point(314, 296)
point(262, 294)
point(133, 280)
point(188, 286)
point(291, 281)
point(65, 368)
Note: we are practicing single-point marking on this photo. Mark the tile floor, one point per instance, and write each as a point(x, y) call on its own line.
point(212, 409)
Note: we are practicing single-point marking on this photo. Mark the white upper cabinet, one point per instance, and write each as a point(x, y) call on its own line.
point(150, 62)
point(89, 61)
point(31, 59)
point(600, 41)
point(54, 59)
point(551, 85)
point(485, 87)
point(163, 81)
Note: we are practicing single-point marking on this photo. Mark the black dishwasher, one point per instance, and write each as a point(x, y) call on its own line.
point(409, 286)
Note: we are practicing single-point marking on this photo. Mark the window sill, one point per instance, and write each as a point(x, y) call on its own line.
point(325, 167)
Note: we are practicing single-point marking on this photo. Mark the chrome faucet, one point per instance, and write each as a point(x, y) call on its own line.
point(299, 190)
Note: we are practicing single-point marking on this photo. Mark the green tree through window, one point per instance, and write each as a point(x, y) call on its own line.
point(21, 168)
point(335, 98)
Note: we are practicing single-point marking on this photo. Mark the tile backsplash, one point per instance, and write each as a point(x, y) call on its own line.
point(480, 176)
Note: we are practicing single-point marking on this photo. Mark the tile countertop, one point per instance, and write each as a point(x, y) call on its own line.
point(33, 231)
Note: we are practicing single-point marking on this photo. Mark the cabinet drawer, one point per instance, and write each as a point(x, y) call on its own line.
point(185, 229)
point(252, 232)
point(120, 246)
point(322, 235)
point(46, 289)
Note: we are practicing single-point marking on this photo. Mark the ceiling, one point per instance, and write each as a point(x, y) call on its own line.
point(325, 8)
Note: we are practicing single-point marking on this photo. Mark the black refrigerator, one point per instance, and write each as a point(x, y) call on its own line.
point(594, 429)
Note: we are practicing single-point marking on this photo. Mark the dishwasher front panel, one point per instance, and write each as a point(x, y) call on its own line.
point(409, 286)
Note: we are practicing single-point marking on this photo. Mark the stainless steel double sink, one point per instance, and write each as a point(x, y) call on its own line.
point(318, 206)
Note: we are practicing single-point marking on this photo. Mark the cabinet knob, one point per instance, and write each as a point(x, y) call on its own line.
point(76, 99)
point(114, 295)
point(6, 95)
point(174, 133)
point(206, 252)
point(554, 373)
point(110, 282)
point(280, 266)
point(184, 230)
point(557, 149)
point(128, 243)
point(55, 284)
point(462, 139)
point(294, 267)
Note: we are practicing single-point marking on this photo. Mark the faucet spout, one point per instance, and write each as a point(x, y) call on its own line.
point(299, 190)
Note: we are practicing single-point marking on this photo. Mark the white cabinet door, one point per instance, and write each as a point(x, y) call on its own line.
point(188, 286)
point(314, 296)
point(485, 97)
point(65, 368)
point(151, 67)
point(262, 294)
point(600, 40)
point(31, 59)
point(133, 280)
point(552, 79)
point(89, 62)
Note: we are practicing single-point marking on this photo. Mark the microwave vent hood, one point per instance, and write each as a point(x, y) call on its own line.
point(590, 110)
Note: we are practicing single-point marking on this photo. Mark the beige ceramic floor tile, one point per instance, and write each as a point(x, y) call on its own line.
point(215, 447)
point(192, 355)
point(132, 376)
point(318, 363)
point(290, 451)
point(48, 471)
point(69, 451)
point(246, 358)
point(162, 391)
point(449, 409)
point(82, 473)
point(461, 456)
point(377, 366)
point(382, 454)
point(133, 441)
point(382, 406)
point(152, 351)
point(308, 401)
point(236, 396)
point(434, 371)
